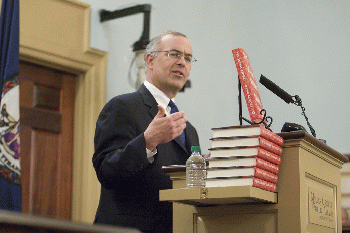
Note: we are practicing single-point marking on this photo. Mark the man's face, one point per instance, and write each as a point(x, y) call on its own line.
point(170, 75)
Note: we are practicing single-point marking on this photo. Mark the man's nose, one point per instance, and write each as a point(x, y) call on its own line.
point(181, 61)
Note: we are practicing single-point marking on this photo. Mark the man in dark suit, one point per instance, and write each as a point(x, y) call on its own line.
point(136, 135)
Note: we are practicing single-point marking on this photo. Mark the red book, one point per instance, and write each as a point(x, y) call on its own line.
point(270, 146)
point(241, 181)
point(248, 83)
point(267, 166)
point(225, 172)
point(264, 185)
point(269, 156)
point(244, 141)
point(248, 130)
point(245, 151)
point(248, 161)
point(265, 175)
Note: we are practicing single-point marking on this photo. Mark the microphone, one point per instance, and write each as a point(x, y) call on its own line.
point(276, 89)
point(287, 127)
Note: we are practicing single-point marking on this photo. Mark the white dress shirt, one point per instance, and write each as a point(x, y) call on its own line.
point(163, 101)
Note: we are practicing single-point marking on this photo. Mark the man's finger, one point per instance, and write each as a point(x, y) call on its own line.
point(161, 112)
point(177, 115)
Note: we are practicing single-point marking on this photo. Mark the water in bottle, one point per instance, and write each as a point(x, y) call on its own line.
point(195, 169)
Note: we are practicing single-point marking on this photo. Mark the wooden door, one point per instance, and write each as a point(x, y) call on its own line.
point(46, 134)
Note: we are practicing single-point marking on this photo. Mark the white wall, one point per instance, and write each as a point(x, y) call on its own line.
point(302, 46)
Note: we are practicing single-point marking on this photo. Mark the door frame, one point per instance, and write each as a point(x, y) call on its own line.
point(56, 34)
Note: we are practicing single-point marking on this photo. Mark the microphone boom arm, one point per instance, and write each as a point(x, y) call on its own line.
point(287, 98)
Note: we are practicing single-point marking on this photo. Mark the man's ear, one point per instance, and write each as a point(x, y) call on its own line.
point(149, 60)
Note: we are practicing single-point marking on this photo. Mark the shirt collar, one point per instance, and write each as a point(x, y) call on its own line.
point(160, 97)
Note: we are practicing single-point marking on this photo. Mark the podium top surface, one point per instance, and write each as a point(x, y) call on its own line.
point(303, 135)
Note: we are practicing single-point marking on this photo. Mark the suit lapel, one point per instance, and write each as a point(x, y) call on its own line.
point(149, 100)
point(178, 141)
point(191, 136)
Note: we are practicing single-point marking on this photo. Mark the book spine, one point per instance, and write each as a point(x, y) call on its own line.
point(248, 83)
point(269, 156)
point(267, 166)
point(265, 175)
point(270, 146)
point(264, 185)
point(269, 135)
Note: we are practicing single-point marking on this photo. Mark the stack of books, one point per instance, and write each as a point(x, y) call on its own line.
point(244, 155)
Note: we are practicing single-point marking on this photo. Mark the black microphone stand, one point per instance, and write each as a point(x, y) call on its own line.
point(267, 120)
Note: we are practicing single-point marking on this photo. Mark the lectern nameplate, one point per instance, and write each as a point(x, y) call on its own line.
point(321, 208)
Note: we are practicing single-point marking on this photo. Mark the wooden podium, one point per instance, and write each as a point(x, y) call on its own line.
point(307, 198)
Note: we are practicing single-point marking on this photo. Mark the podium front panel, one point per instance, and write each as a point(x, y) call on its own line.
point(309, 189)
point(232, 220)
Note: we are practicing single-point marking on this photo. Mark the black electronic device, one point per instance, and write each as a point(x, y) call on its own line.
point(289, 127)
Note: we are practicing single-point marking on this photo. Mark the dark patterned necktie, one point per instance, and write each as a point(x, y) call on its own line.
point(174, 109)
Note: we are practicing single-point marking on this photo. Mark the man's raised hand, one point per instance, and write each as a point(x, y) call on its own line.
point(163, 128)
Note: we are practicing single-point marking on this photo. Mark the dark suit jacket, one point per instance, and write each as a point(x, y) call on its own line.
point(130, 184)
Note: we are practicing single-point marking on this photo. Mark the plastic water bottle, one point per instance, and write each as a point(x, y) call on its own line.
point(195, 169)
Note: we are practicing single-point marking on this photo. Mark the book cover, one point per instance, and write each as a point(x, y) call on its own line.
point(248, 161)
point(248, 83)
point(239, 151)
point(254, 140)
point(247, 130)
point(241, 181)
point(242, 171)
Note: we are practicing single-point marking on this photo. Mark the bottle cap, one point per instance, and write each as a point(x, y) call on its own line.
point(195, 148)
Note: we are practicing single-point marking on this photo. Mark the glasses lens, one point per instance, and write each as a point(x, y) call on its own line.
point(177, 56)
point(188, 59)
point(174, 55)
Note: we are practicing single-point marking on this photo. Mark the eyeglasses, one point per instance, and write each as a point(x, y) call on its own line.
point(176, 55)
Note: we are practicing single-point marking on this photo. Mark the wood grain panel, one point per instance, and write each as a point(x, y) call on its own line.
point(46, 98)
point(44, 158)
point(38, 75)
point(47, 113)
point(50, 121)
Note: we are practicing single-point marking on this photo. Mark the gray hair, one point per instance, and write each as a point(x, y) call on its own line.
point(155, 43)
